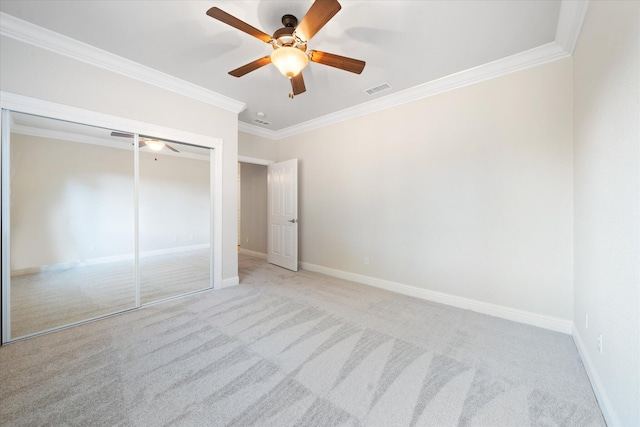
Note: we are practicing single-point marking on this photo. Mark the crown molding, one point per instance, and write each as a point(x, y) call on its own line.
point(257, 131)
point(570, 21)
point(29, 33)
point(520, 61)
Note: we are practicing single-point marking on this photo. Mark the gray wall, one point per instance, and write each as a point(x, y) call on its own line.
point(253, 193)
point(467, 193)
point(606, 70)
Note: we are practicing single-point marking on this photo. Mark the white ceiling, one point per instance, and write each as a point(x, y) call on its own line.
point(405, 44)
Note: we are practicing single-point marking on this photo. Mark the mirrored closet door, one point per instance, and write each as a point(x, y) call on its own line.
point(175, 219)
point(100, 222)
point(72, 224)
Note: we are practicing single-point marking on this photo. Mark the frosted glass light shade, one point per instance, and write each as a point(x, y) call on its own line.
point(289, 60)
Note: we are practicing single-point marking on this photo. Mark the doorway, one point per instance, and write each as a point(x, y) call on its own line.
point(252, 220)
point(268, 210)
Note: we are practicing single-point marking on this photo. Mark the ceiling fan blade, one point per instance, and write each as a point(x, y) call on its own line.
point(170, 147)
point(223, 16)
point(297, 84)
point(251, 66)
point(141, 143)
point(122, 134)
point(337, 61)
point(319, 14)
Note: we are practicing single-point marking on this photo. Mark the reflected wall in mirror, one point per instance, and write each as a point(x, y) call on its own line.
point(175, 218)
point(72, 223)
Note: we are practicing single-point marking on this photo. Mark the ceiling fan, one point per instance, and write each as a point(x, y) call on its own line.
point(144, 141)
point(289, 44)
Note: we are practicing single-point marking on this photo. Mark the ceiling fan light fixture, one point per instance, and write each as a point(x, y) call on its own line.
point(154, 144)
point(289, 60)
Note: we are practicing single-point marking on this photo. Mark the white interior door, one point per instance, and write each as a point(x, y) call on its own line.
point(282, 204)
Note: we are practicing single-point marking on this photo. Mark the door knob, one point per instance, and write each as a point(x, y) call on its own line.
point(292, 221)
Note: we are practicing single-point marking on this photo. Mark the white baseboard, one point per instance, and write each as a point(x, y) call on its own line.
point(521, 316)
point(610, 416)
point(253, 253)
point(105, 260)
point(227, 283)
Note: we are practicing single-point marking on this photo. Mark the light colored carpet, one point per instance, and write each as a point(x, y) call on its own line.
point(52, 299)
point(303, 349)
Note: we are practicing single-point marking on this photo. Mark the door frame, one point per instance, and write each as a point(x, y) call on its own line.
point(23, 104)
point(262, 162)
point(254, 160)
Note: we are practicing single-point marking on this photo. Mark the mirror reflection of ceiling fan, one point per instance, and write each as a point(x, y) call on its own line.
point(289, 44)
point(144, 141)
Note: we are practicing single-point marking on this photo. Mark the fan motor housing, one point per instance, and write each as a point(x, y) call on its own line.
point(284, 36)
